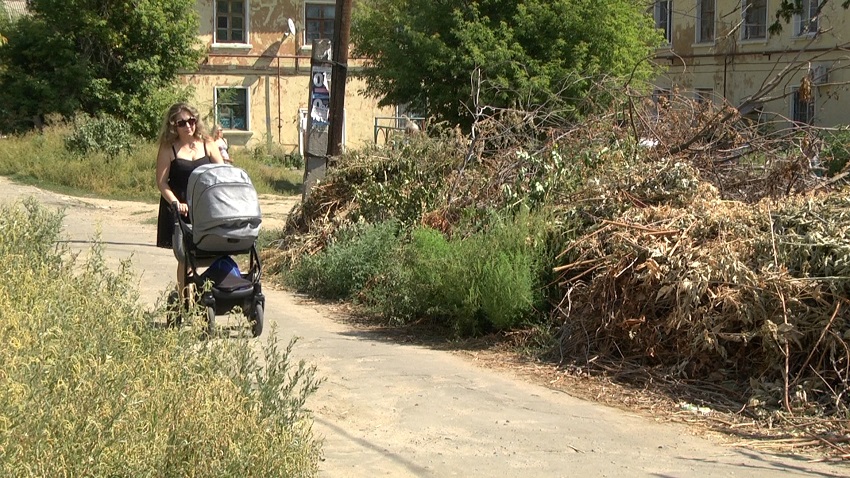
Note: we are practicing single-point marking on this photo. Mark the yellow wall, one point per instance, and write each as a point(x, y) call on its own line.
point(275, 67)
point(736, 69)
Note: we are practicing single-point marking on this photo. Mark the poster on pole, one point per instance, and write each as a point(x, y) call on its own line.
point(320, 95)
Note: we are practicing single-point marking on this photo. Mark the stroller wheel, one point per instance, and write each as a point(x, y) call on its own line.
point(257, 318)
point(210, 321)
point(173, 317)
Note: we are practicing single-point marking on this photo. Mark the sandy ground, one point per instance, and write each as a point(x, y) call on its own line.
point(388, 408)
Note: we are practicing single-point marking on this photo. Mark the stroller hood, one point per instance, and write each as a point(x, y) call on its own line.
point(223, 208)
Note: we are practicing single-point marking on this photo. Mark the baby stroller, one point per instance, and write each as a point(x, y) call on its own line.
point(224, 213)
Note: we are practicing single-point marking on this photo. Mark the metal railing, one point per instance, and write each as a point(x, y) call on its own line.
point(388, 127)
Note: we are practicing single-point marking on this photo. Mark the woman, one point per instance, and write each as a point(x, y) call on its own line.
point(183, 146)
point(221, 142)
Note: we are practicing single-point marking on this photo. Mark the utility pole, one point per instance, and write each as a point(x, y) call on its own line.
point(342, 30)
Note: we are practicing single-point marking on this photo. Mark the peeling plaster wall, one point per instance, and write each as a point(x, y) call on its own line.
point(276, 63)
point(736, 69)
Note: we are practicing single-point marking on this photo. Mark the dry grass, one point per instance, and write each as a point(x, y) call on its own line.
point(89, 387)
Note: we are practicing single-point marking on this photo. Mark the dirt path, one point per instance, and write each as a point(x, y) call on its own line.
point(397, 410)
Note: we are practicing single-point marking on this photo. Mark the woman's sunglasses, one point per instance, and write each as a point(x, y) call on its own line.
point(188, 121)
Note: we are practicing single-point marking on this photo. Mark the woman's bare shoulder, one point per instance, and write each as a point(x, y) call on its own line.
point(164, 152)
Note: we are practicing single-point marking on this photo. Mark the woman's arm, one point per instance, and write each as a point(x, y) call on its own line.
point(163, 168)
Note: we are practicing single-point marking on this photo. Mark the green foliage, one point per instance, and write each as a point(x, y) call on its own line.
point(107, 134)
point(401, 184)
point(115, 57)
point(271, 154)
point(43, 158)
point(356, 257)
point(535, 51)
point(539, 177)
point(89, 388)
point(836, 151)
point(788, 8)
point(487, 281)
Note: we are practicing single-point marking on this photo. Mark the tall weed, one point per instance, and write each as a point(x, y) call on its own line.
point(344, 268)
point(489, 280)
point(89, 388)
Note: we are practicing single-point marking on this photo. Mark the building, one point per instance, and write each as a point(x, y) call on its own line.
point(254, 79)
point(14, 8)
point(723, 49)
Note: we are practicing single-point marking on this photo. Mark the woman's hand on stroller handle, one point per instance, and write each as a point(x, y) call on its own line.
point(180, 207)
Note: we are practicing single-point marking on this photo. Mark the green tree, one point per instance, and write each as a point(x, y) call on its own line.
point(535, 51)
point(788, 8)
point(115, 57)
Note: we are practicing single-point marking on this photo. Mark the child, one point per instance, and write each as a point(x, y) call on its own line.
point(218, 137)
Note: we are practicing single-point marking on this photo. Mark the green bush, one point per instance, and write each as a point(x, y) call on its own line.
point(89, 388)
point(102, 134)
point(271, 154)
point(342, 269)
point(410, 286)
point(836, 151)
point(487, 281)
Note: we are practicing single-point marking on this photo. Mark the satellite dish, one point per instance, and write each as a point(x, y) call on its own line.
point(291, 27)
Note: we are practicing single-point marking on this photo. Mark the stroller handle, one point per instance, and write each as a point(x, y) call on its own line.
point(179, 234)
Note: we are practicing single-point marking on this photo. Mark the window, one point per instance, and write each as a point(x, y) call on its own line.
point(755, 20)
point(802, 106)
point(231, 108)
point(661, 97)
point(703, 96)
point(663, 20)
point(319, 21)
point(230, 21)
point(806, 23)
point(705, 21)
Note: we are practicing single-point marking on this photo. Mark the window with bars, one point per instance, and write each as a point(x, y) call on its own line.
point(704, 96)
point(662, 98)
point(705, 21)
point(663, 18)
point(318, 21)
point(231, 108)
point(806, 22)
point(755, 20)
point(230, 21)
point(802, 107)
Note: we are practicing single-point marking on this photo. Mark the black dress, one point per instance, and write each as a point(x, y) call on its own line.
point(178, 181)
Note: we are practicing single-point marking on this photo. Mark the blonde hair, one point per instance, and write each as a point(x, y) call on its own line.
point(216, 130)
point(168, 133)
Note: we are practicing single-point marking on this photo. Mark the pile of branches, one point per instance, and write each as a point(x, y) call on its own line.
point(710, 245)
point(720, 256)
point(753, 295)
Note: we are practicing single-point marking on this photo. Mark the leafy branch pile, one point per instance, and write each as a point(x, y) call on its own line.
point(688, 239)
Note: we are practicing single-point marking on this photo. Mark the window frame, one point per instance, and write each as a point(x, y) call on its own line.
point(806, 20)
point(217, 104)
point(665, 23)
point(794, 115)
point(704, 96)
point(699, 22)
point(760, 27)
point(657, 94)
point(246, 22)
point(305, 39)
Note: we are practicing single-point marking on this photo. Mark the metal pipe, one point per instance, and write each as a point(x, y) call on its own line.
point(739, 53)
